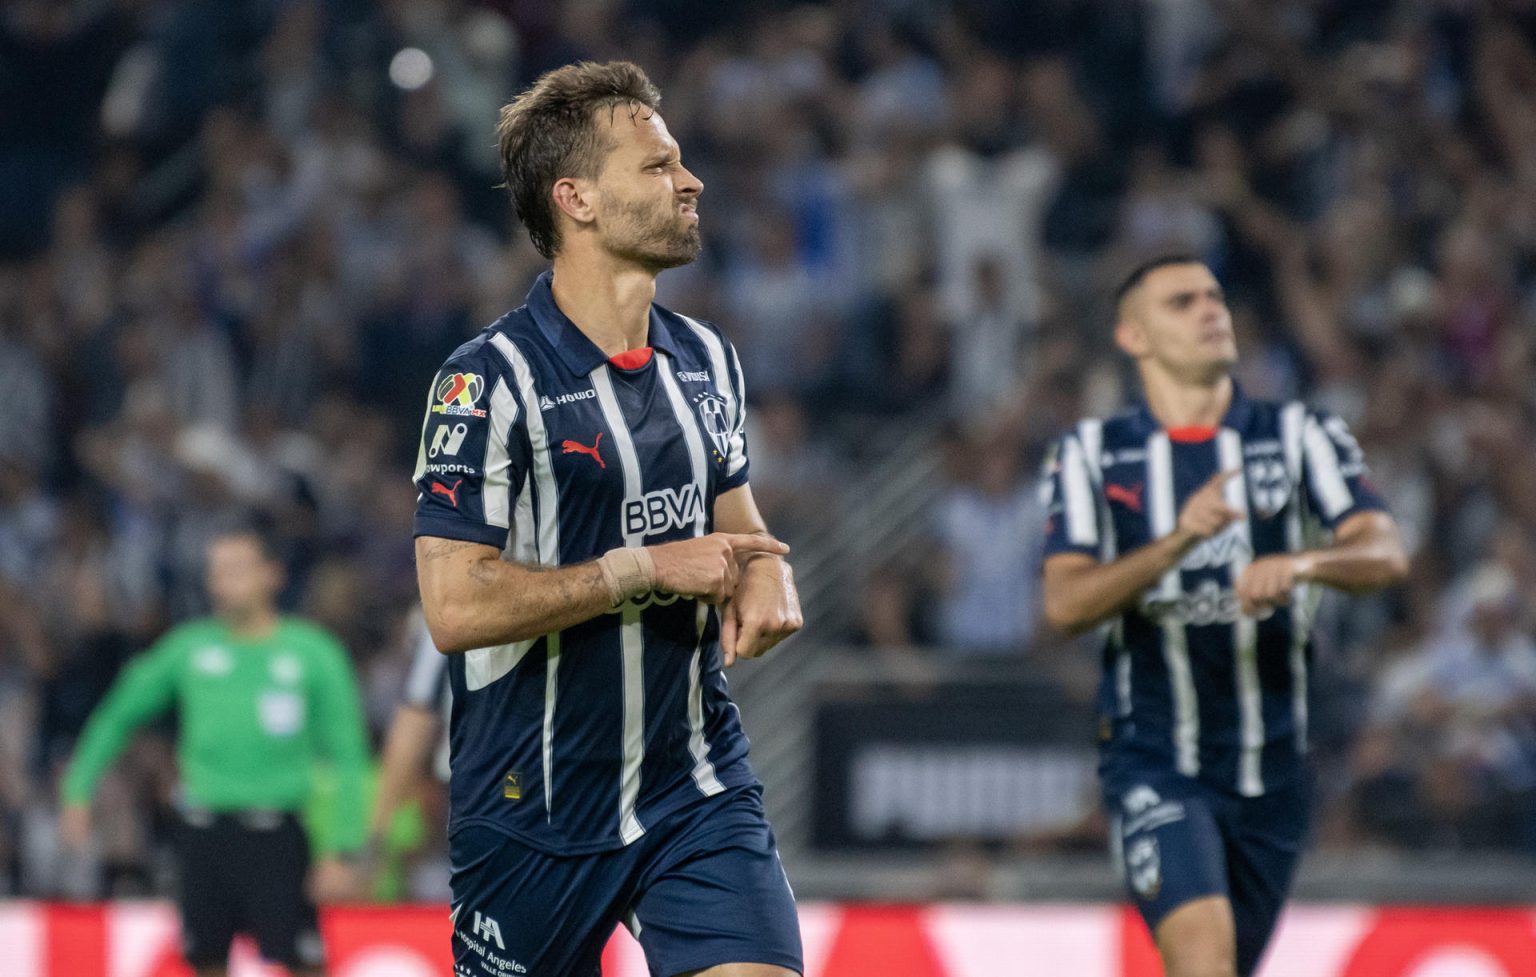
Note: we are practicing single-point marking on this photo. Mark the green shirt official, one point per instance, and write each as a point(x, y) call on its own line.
point(256, 714)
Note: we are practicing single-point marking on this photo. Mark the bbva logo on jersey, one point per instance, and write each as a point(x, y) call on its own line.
point(1220, 550)
point(663, 509)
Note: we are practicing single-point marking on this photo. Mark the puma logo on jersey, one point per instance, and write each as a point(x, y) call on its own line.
point(1128, 497)
point(453, 493)
point(569, 447)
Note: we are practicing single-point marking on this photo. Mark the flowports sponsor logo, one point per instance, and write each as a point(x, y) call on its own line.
point(688, 376)
point(446, 439)
point(547, 402)
point(663, 509)
point(457, 394)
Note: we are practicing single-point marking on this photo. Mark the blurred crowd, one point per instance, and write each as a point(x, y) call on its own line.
point(237, 238)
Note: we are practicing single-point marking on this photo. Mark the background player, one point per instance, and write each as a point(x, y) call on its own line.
point(595, 440)
point(1198, 525)
point(260, 698)
point(417, 731)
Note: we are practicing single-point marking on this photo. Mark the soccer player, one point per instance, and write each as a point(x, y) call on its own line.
point(261, 697)
point(416, 731)
point(1199, 526)
point(589, 551)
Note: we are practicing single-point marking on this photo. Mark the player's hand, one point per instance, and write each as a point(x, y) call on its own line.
point(764, 610)
point(333, 880)
point(1206, 513)
point(75, 827)
point(707, 567)
point(1266, 583)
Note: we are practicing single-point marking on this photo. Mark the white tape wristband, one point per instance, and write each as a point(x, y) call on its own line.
point(628, 572)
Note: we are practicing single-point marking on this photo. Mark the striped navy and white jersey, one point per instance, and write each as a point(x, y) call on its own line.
point(427, 687)
point(1189, 681)
point(535, 443)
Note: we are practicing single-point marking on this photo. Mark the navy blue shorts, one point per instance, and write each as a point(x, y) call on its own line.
point(702, 888)
point(1177, 839)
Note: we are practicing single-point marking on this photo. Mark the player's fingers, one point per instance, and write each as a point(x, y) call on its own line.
point(1219, 480)
point(728, 634)
point(755, 543)
point(749, 640)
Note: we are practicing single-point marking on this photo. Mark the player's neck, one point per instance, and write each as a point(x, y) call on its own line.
point(1180, 403)
point(609, 301)
point(258, 622)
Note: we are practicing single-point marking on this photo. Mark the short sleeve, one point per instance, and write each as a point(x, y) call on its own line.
point(428, 677)
point(1067, 494)
point(737, 462)
point(1335, 477)
point(473, 456)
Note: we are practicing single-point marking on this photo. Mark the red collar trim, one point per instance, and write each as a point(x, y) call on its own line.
point(632, 359)
point(1191, 434)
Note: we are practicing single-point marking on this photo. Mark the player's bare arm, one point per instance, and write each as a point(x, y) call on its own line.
point(1080, 591)
point(1366, 554)
point(766, 606)
point(411, 738)
point(472, 598)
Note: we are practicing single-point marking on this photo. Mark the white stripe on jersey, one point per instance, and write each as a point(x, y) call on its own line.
point(1163, 505)
point(1077, 495)
point(551, 687)
point(1090, 434)
point(631, 634)
point(703, 771)
point(728, 382)
point(1292, 420)
point(421, 442)
point(1245, 632)
point(1328, 482)
point(738, 440)
point(497, 487)
point(1162, 514)
point(482, 666)
point(535, 538)
point(542, 466)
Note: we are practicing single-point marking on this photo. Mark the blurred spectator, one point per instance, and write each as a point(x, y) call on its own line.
point(235, 235)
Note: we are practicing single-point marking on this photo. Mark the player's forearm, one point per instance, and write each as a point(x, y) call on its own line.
point(474, 599)
point(411, 737)
point(1079, 596)
point(1368, 559)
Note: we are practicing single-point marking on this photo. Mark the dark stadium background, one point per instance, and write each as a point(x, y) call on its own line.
point(237, 237)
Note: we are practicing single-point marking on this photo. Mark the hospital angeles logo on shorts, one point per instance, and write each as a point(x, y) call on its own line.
point(457, 394)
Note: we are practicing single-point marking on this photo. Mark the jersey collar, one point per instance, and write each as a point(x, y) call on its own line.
point(580, 354)
point(1238, 412)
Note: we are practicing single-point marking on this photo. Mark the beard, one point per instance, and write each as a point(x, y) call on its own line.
point(654, 236)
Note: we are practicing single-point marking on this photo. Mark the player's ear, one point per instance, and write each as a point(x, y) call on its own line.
point(1131, 336)
point(575, 198)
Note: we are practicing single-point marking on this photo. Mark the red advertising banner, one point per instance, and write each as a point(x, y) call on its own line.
point(140, 940)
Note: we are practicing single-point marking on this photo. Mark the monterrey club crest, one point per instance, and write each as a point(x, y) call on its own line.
point(457, 394)
point(1268, 486)
point(1144, 867)
point(712, 412)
